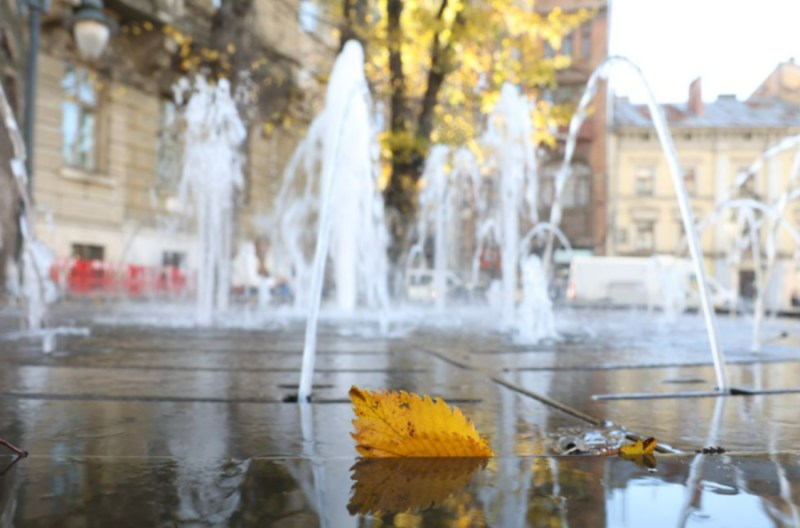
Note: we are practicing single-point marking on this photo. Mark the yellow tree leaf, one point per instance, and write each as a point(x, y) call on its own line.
point(399, 424)
point(408, 485)
point(640, 448)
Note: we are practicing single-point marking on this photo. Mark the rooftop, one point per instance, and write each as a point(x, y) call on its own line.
point(725, 112)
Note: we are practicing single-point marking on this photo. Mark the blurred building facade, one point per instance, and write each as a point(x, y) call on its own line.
point(716, 142)
point(585, 193)
point(107, 156)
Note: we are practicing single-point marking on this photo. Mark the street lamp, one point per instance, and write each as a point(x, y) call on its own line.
point(91, 29)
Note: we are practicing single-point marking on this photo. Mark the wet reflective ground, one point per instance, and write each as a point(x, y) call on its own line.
point(137, 425)
point(750, 491)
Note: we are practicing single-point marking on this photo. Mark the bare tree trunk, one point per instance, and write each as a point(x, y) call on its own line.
point(355, 20)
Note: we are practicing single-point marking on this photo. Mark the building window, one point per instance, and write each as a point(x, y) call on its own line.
point(622, 235)
point(748, 188)
point(586, 41)
point(173, 259)
point(645, 236)
point(567, 45)
point(576, 192)
point(549, 52)
point(645, 181)
point(307, 14)
point(88, 252)
point(79, 119)
point(168, 155)
point(566, 94)
point(690, 180)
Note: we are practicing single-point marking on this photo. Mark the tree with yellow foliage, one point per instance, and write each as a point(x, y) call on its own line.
point(439, 65)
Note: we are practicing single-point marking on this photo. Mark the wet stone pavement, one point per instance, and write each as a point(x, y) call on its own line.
point(140, 425)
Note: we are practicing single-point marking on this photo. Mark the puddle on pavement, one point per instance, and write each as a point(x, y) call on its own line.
point(342, 493)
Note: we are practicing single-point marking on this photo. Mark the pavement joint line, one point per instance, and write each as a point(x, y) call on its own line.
point(624, 366)
point(447, 359)
point(735, 392)
point(548, 401)
point(88, 352)
point(203, 369)
point(179, 399)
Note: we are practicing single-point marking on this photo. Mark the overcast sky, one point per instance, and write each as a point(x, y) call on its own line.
point(732, 44)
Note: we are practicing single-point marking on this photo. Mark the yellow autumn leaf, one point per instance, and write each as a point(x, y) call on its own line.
point(399, 424)
point(408, 485)
point(640, 448)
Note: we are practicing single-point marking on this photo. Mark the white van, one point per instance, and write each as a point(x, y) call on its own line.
point(639, 281)
point(783, 292)
point(420, 285)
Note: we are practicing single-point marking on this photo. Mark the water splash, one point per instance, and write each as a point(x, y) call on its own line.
point(535, 320)
point(212, 175)
point(676, 173)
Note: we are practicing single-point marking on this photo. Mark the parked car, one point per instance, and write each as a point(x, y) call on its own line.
point(420, 286)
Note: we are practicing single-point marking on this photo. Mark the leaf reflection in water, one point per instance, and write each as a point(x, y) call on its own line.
point(408, 485)
point(645, 461)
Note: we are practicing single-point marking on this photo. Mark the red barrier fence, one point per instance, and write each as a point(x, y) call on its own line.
point(97, 278)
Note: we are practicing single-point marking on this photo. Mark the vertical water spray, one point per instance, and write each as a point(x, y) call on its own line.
point(676, 173)
point(351, 222)
point(535, 321)
point(434, 201)
point(509, 140)
point(212, 174)
point(38, 290)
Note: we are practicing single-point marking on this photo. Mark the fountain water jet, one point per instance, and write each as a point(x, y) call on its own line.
point(509, 139)
point(535, 320)
point(38, 290)
point(687, 216)
point(775, 214)
point(348, 188)
point(212, 174)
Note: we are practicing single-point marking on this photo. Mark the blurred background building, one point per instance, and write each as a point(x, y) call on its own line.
point(107, 157)
point(585, 193)
point(716, 141)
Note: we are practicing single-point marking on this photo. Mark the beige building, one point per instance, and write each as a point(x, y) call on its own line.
point(107, 156)
point(716, 142)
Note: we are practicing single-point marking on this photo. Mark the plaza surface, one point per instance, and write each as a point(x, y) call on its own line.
point(141, 420)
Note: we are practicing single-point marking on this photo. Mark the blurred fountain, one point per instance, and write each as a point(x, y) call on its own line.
point(676, 173)
point(535, 321)
point(435, 207)
point(38, 290)
point(351, 217)
point(749, 227)
point(291, 226)
point(212, 174)
point(751, 239)
point(448, 184)
point(508, 140)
